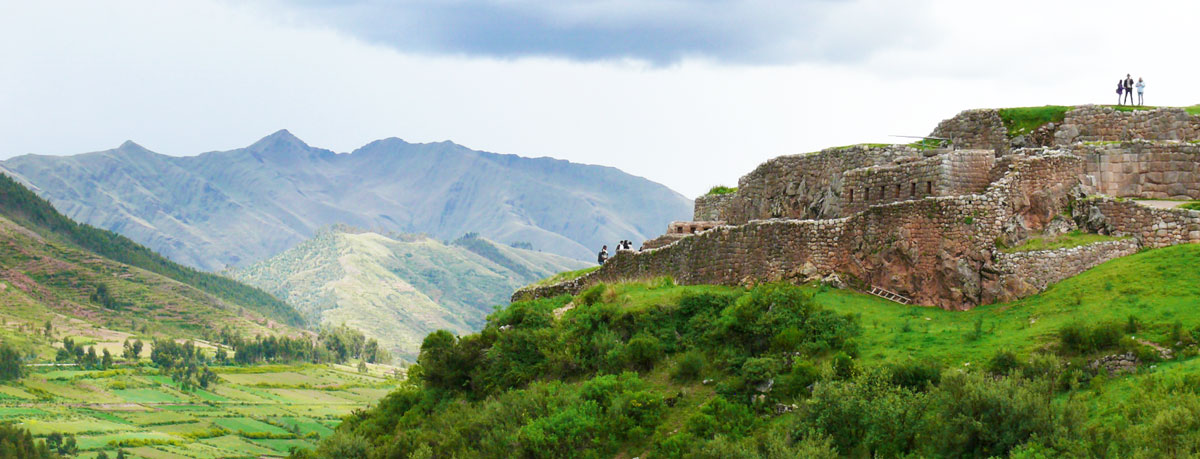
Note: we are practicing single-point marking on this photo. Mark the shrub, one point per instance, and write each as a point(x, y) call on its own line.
point(1003, 363)
point(1080, 338)
point(915, 375)
point(591, 295)
point(843, 366)
point(797, 381)
point(689, 367)
point(642, 351)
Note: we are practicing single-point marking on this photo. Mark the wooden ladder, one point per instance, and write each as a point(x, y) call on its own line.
point(889, 295)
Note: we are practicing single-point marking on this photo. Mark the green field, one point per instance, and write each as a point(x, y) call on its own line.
point(253, 411)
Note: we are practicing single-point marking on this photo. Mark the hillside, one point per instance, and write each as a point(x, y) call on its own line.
point(95, 299)
point(1095, 366)
point(234, 208)
point(21, 205)
point(399, 288)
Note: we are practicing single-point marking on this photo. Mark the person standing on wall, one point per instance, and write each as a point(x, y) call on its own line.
point(1129, 88)
point(1120, 91)
point(1141, 87)
point(600, 258)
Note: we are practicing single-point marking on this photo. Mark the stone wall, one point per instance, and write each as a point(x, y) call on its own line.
point(975, 129)
point(1027, 273)
point(1151, 227)
point(876, 185)
point(1092, 123)
point(1142, 169)
point(712, 207)
point(807, 185)
point(936, 250)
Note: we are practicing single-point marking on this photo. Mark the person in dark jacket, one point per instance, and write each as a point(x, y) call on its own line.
point(1120, 90)
point(1129, 88)
point(600, 258)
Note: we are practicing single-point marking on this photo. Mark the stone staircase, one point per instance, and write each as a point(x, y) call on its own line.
point(889, 295)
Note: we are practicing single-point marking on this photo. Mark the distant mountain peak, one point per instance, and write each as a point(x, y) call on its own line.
point(279, 140)
point(130, 145)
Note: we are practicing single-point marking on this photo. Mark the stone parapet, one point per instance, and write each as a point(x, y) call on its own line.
point(975, 129)
point(713, 207)
point(1152, 227)
point(1142, 169)
point(1093, 123)
point(1027, 273)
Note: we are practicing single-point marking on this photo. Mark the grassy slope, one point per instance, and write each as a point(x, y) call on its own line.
point(23, 206)
point(47, 280)
point(399, 290)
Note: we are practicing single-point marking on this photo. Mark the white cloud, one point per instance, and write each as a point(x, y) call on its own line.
point(185, 78)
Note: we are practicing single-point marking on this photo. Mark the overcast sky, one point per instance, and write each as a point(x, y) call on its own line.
point(686, 93)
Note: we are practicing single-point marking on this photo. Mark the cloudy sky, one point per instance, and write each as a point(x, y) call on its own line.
point(689, 93)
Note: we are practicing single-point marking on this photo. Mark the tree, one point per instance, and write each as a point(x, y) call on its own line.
point(10, 363)
point(107, 360)
point(137, 348)
point(49, 329)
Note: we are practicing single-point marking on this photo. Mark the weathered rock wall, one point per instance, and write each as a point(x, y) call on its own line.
point(1142, 169)
point(874, 185)
point(1093, 123)
point(1027, 273)
point(975, 129)
point(712, 207)
point(805, 186)
point(937, 250)
point(1150, 226)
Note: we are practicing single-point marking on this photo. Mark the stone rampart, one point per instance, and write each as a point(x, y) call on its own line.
point(936, 250)
point(1142, 169)
point(1152, 227)
point(712, 207)
point(1027, 273)
point(807, 185)
point(1093, 123)
point(975, 129)
point(874, 185)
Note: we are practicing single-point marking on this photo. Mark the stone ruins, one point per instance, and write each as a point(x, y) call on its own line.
point(928, 225)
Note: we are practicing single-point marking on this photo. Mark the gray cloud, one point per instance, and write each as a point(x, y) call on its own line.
point(658, 31)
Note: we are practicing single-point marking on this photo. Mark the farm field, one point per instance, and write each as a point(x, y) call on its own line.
point(261, 411)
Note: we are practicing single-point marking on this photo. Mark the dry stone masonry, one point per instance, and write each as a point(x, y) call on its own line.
point(926, 223)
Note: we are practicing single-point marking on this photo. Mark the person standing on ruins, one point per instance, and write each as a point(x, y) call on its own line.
point(1141, 87)
point(602, 256)
point(1120, 91)
point(1129, 88)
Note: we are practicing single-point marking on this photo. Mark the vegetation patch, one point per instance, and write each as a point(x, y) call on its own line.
point(564, 276)
point(1023, 120)
point(1075, 238)
point(720, 190)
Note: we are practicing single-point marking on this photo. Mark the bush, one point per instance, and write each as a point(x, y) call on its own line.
point(797, 381)
point(843, 366)
point(1080, 338)
point(1003, 363)
point(915, 375)
point(591, 295)
point(689, 367)
point(642, 351)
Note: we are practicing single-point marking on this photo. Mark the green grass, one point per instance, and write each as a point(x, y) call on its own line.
point(1023, 120)
point(179, 428)
point(564, 276)
point(721, 189)
point(1157, 286)
point(1063, 241)
point(1192, 205)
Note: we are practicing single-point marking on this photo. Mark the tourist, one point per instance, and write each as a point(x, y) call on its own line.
point(1120, 90)
point(1141, 87)
point(603, 255)
point(1129, 88)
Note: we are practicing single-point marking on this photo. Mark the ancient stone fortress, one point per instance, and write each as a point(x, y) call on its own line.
point(926, 225)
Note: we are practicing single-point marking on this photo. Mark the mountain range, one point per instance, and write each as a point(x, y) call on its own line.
point(399, 288)
point(233, 208)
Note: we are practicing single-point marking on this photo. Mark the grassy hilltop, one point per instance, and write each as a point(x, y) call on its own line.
point(659, 370)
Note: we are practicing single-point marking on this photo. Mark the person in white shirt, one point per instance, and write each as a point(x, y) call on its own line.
point(1141, 87)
